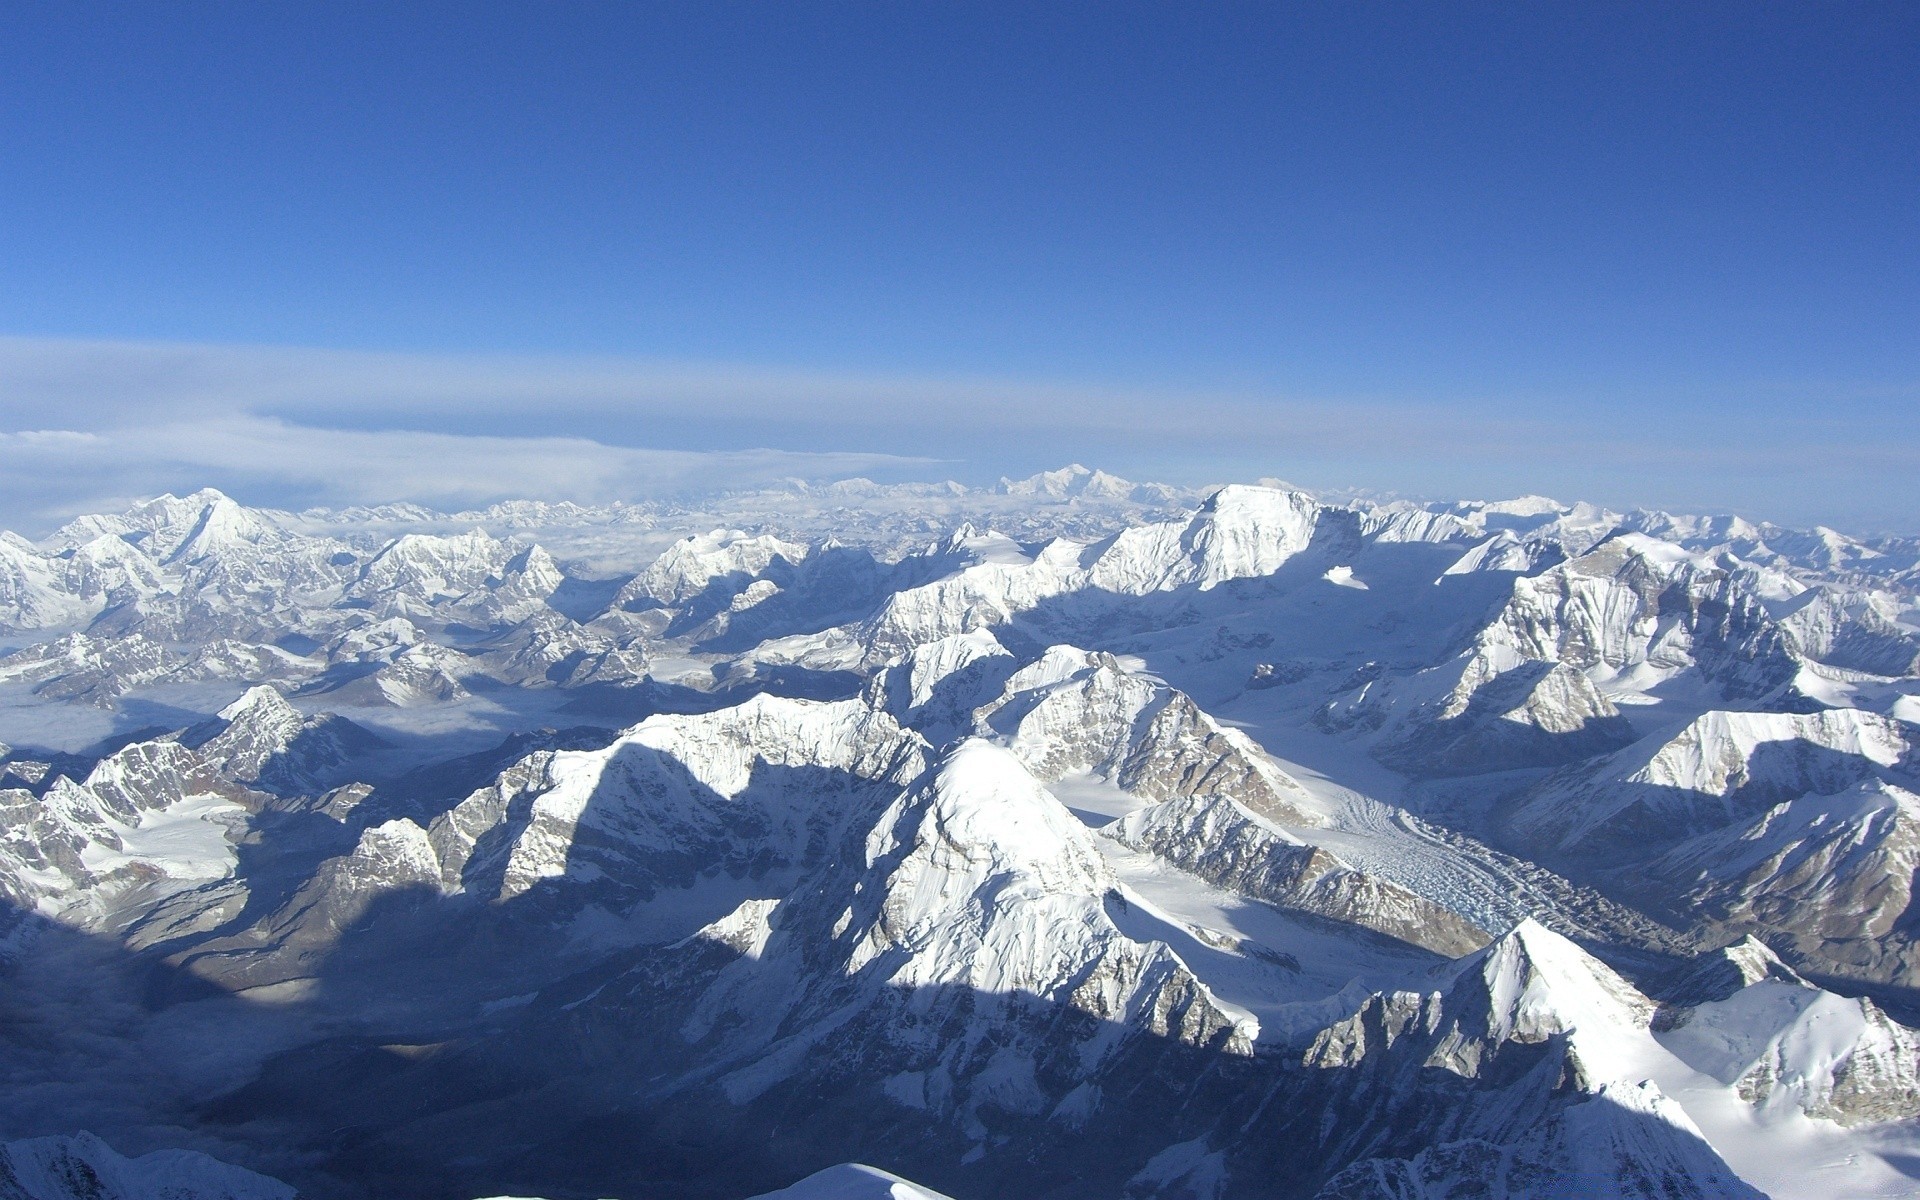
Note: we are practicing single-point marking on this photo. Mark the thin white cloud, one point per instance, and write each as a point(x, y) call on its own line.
point(52, 474)
point(91, 423)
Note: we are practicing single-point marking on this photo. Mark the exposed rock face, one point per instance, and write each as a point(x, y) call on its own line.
point(1568, 1033)
point(1073, 712)
point(148, 821)
point(1722, 767)
point(1718, 974)
point(92, 670)
point(1795, 824)
point(1832, 868)
point(1632, 610)
point(1784, 1043)
point(1628, 1141)
point(1224, 844)
point(262, 739)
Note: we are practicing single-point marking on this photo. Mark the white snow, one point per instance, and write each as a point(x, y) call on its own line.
point(853, 1181)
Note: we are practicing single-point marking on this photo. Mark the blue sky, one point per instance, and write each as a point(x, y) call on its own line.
point(1641, 254)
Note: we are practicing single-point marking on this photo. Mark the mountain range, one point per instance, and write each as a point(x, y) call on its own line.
point(1068, 838)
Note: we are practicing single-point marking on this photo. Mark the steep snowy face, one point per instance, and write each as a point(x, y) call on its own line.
point(1239, 533)
point(108, 571)
point(984, 831)
point(975, 924)
point(1534, 984)
point(573, 841)
point(1074, 711)
point(1222, 842)
point(771, 783)
point(952, 960)
point(91, 670)
point(722, 560)
point(1781, 754)
point(1489, 709)
point(1504, 551)
point(83, 1167)
point(1635, 601)
point(1722, 767)
point(936, 687)
point(1570, 1040)
point(32, 595)
point(417, 575)
point(1798, 825)
point(1720, 973)
point(1530, 987)
point(1854, 630)
point(224, 558)
point(853, 1181)
point(918, 678)
point(219, 530)
point(1834, 868)
point(1783, 1043)
point(1627, 1140)
point(262, 739)
point(160, 527)
point(982, 595)
point(1407, 522)
point(1537, 685)
point(1827, 878)
point(150, 820)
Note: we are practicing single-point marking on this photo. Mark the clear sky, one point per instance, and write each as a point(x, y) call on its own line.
point(1660, 254)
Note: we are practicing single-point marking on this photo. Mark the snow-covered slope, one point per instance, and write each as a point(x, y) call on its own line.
point(1068, 838)
point(853, 1181)
point(1784, 1043)
point(83, 1167)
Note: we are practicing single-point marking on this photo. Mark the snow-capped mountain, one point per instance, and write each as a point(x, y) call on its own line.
point(1068, 838)
point(83, 1167)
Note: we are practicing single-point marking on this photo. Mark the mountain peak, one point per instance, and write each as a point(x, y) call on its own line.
point(853, 1181)
point(258, 703)
point(1538, 983)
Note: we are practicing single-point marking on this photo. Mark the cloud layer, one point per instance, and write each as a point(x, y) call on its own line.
point(88, 425)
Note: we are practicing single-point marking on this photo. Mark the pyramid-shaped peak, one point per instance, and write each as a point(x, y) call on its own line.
point(218, 523)
point(263, 701)
point(1722, 973)
point(985, 799)
point(1755, 961)
point(1538, 983)
point(853, 1181)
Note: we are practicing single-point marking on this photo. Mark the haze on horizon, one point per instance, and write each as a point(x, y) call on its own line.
point(341, 253)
